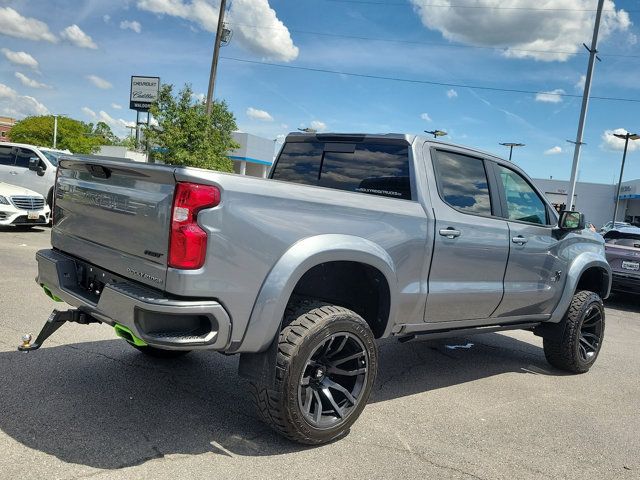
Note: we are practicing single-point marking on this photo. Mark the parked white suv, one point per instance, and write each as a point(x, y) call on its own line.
point(30, 167)
point(22, 207)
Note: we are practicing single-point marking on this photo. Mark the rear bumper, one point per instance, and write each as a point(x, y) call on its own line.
point(157, 319)
point(625, 283)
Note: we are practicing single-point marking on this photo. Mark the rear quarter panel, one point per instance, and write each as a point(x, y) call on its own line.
point(259, 220)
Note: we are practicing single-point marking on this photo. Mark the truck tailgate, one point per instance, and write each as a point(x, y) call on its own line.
point(115, 215)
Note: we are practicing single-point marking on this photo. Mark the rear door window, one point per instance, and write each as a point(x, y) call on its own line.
point(6, 156)
point(462, 182)
point(374, 169)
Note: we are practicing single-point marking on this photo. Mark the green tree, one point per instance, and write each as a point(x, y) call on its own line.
point(73, 135)
point(187, 136)
point(105, 134)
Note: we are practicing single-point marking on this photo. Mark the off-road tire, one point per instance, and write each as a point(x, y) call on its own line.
point(562, 342)
point(159, 352)
point(307, 323)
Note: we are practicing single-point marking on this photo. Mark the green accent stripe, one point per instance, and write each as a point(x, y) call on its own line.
point(127, 334)
point(50, 294)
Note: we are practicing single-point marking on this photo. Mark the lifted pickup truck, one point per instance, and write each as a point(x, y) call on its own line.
point(352, 238)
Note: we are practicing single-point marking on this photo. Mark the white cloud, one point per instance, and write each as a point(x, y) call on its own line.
point(579, 86)
point(271, 40)
point(553, 96)
point(553, 26)
point(131, 25)
point(261, 115)
point(318, 125)
point(15, 25)
point(610, 142)
point(425, 116)
point(99, 82)
point(553, 150)
point(76, 36)
point(116, 106)
point(451, 93)
point(20, 58)
point(90, 113)
point(106, 18)
point(118, 126)
point(13, 104)
point(30, 82)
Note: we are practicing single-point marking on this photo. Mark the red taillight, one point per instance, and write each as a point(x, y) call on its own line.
point(188, 242)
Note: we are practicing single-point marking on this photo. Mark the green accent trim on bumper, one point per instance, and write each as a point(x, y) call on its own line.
point(49, 294)
point(127, 334)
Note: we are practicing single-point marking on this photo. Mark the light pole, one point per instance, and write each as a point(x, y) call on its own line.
point(511, 145)
point(220, 33)
point(626, 136)
point(436, 133)
point(55, 130)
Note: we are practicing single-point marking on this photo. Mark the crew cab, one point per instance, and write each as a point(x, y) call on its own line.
point(353, 238)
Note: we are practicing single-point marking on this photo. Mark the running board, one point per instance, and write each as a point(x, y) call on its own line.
point(432, 334)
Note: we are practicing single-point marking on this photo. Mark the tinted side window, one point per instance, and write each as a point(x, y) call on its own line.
point(23, 156)
point(299, 163)
point(6, 157)
point(523, 203)
point(463, 183)
point(376, 169)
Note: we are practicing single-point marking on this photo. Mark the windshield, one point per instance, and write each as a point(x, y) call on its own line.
point(52, 157)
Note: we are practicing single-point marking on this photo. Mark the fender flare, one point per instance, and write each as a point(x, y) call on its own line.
point(581, 263)
point(279, 284)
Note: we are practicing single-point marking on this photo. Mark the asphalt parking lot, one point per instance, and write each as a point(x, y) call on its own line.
point(88, 405)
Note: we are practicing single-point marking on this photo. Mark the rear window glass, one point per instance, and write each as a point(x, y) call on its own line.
point(374, 169)
point(463, 183)
point(623, 239)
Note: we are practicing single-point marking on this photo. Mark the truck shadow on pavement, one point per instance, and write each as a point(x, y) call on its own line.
point(104, 405)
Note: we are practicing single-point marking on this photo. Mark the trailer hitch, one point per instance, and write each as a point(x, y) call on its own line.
point(53, 323)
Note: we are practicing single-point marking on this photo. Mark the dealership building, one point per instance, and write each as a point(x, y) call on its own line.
point(596, 200)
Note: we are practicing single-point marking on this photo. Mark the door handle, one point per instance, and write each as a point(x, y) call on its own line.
point(450, 232)
point(13, 173)
point(520, 240)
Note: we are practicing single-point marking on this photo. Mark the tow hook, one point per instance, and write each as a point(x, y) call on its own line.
point(53, 323)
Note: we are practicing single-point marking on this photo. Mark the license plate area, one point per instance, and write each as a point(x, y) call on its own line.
point(91, 280)
point(627, 265)
point(33, 215)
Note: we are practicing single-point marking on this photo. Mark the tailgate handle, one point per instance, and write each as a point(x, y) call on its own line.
point(98, 171)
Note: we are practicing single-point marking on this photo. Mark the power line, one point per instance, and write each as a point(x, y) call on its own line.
point(424, 82)
point(428, 43)
point(475, 7)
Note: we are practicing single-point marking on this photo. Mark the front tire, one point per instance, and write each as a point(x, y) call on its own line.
point(574, 344)
point(326, 365)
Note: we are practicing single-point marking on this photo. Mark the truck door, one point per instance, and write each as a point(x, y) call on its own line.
point(536, 271)
point(471, 240)
point(7, 163)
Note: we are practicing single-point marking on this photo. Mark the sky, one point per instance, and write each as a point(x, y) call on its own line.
point(374, 66)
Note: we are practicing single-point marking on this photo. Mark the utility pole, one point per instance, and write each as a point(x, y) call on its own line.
point(585, 103)
point(216, 53)
point(511, 145)
point(55, 130)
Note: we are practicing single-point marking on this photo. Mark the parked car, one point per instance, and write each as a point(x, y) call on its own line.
point(609, 225)
point(30, 167)
point(622, 247)
point(352, 239)
point(22, 207)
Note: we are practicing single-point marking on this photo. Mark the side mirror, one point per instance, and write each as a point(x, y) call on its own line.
point(34, 163)
point(571, 220)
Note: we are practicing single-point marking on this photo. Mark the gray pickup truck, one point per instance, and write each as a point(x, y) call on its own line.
point(353, 238)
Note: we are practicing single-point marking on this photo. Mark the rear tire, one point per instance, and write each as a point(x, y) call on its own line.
point(326, 365)
point(159, 352)
point(574, 344)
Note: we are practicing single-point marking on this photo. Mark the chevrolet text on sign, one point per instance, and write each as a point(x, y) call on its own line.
point(144, 91)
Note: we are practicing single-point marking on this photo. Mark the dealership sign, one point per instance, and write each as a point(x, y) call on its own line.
point(144, 91)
